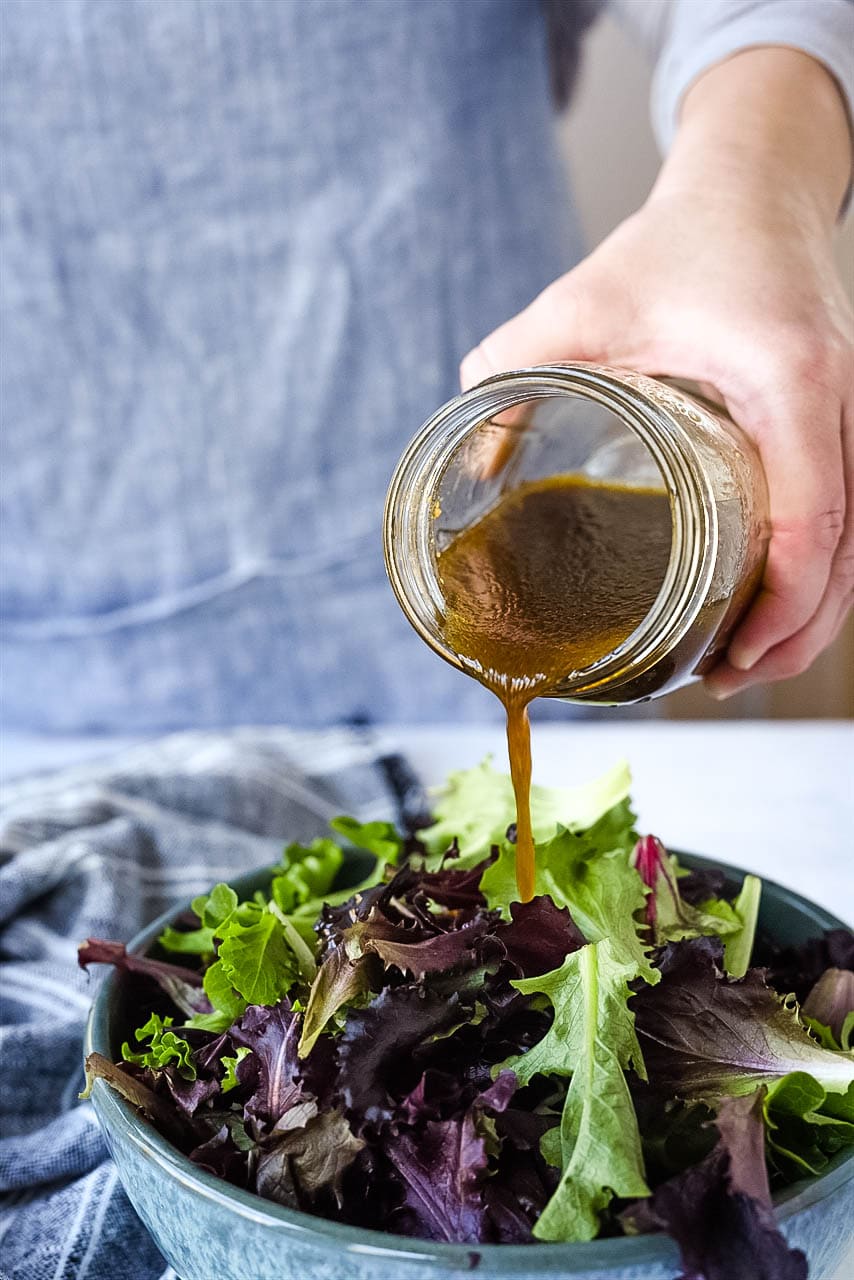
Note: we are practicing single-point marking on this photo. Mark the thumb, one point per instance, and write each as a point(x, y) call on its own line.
point(570, 320)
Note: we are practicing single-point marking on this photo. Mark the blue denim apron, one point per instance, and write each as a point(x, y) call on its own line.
point(245, 244)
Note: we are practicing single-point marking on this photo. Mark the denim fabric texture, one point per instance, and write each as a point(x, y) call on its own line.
point(245, 245)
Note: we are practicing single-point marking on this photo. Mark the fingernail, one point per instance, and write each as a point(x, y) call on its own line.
point(466, 369)
point(720, 695)
point(742, 659)
point(473, 369)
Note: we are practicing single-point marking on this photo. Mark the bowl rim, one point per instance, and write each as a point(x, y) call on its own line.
point(114, 1111)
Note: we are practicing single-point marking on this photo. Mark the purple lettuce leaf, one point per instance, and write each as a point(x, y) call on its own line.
point(189, 1095)
point(703, 1035)
point(420, 904)
point(494, 1023)
point(418, 924)
point(458, 890)
point(298, 1165)
point(831, 1001)
point(506, 1025)
point(497, 1097)
point(442, 1169)
point(437, 952)
point(438, 1095)
point(371, 1191)
point(539, 936)
point(517, 1195)
point(443, 1164)
point(102, 951)
point(522, 1130)
point(702, 883)
point(208, 1048)
point(719, 1211)
point(335, 921)
point(225, 1153)
point(272, 1034)
point(183, 986)
point(377, 1051)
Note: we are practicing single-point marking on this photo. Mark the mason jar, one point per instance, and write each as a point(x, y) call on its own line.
point(610, 426)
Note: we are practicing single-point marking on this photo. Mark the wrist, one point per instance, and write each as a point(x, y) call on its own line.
point(758, 189)
point(766, 129)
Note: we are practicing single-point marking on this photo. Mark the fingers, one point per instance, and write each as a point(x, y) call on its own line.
point(794, 654)
point(564, 322)
point(800, 439)
point(567, 321)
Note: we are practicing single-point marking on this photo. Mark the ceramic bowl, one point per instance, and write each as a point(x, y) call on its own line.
point(210, 1230)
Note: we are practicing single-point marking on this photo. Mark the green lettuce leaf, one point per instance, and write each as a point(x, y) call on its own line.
point(477, 806)
point(257, 961)
point(165, 1048)
point(227, 1004)
point(592, 1038)
point(379, 838)
point(214, 909)
point(805, 1126)
point(738, 947)
point(340, 980)
point(221, 993)
point(596, 883)
point(308, 872)
point(825, 1034)
point(195, 942)
point(584, 837)
point(230, 1080)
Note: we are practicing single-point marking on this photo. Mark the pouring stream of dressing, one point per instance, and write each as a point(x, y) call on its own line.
point(557, 575)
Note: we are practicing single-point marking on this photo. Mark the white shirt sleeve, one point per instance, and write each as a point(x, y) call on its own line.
point(686, 37)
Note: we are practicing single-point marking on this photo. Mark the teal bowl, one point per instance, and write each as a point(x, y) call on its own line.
point(210, 1230)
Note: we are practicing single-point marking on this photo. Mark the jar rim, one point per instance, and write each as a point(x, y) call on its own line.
point(646, 407)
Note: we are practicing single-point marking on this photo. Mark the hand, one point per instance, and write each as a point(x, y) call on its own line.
point(726, 277)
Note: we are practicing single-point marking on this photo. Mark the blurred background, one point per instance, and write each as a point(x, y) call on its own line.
point(614, 159)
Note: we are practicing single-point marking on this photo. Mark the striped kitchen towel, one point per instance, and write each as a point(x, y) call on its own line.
point(100, 850)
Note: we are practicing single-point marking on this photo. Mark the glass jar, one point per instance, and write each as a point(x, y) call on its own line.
point(611, 426)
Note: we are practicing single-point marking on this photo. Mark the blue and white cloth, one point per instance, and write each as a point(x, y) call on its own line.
point(100, 850)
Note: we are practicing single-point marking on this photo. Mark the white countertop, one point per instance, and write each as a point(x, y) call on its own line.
point(774, 797)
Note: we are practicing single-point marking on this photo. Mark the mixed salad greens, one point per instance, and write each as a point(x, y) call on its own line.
point(424, 1054)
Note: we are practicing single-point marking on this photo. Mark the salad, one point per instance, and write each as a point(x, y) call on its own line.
point(424, 1054)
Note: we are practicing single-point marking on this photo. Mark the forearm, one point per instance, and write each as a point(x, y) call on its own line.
point(769, 121)
point(725, 276)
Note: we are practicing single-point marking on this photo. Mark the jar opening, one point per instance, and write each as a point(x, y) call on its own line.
point(514, 432)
